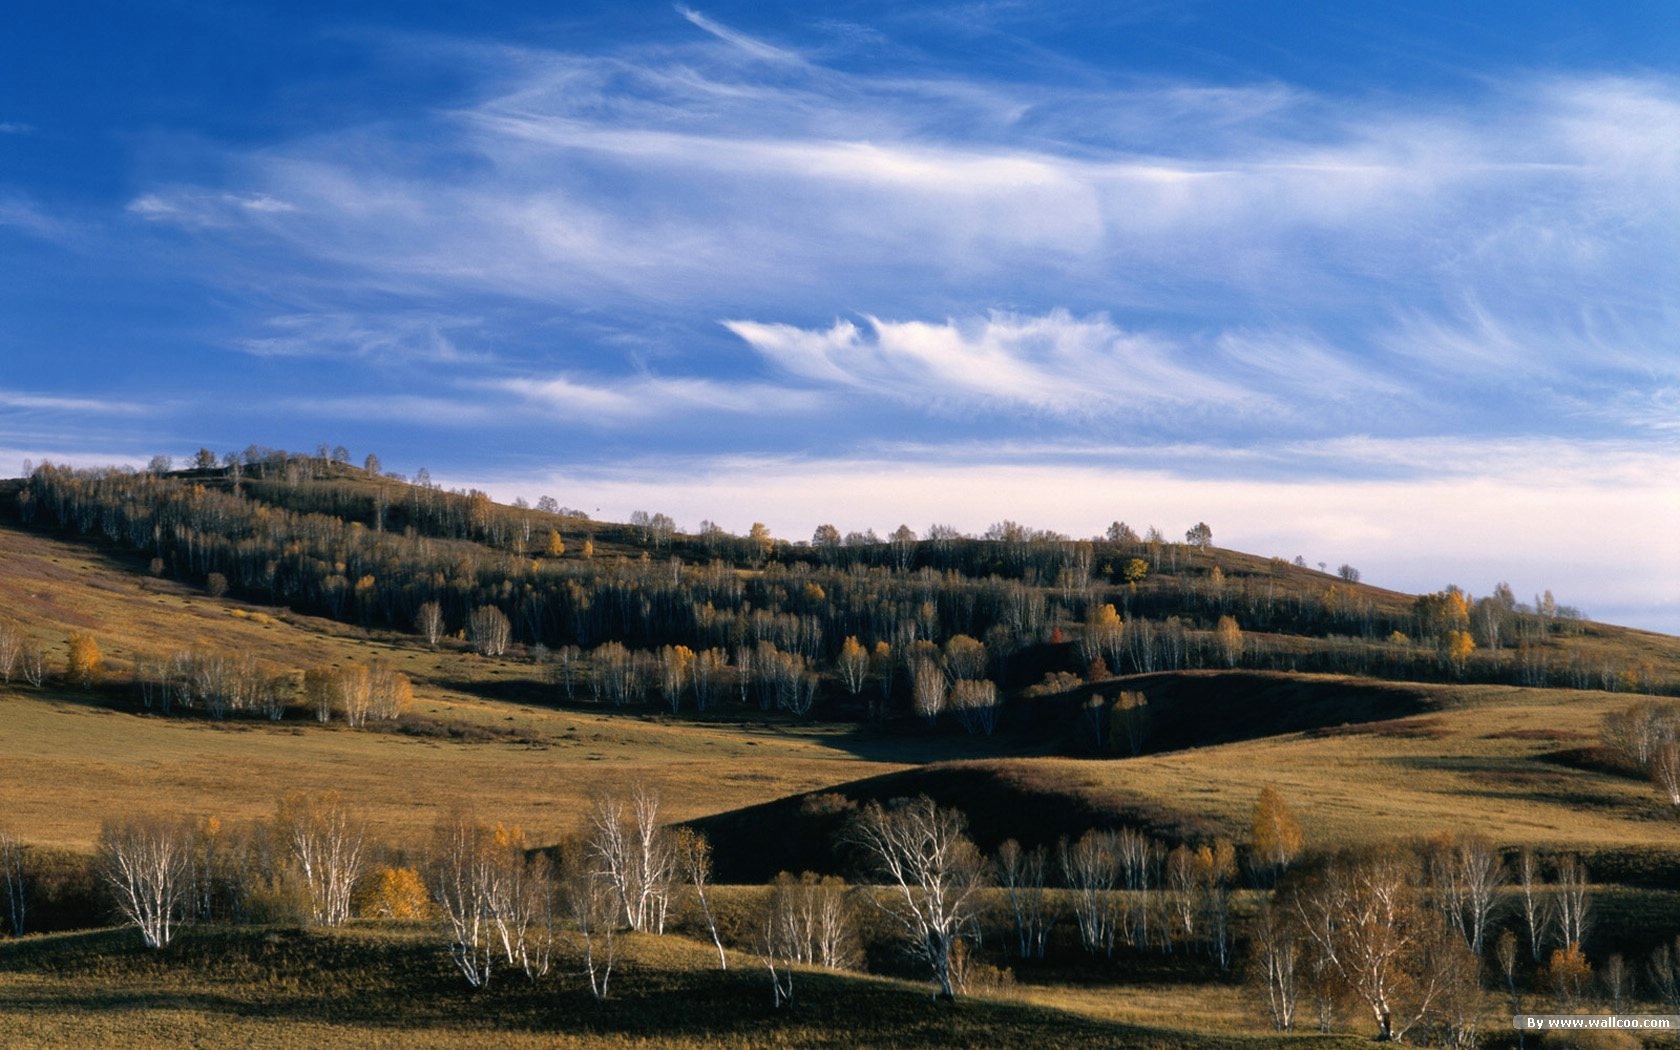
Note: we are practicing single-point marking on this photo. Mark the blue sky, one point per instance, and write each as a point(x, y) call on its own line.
point(1396, 288)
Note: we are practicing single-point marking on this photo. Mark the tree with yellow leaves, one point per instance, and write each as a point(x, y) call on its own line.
point(1456, 650)
point(84, 663)
point(853, 664)
point(393, 893)
point(1276, 837)
point(1228, 637)
point(676, 667)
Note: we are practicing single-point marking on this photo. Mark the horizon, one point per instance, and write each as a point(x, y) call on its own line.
point(1393, 289)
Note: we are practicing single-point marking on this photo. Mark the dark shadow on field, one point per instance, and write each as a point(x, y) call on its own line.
point(661, 991)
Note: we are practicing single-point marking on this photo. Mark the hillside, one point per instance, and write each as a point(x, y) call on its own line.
point(767, 691)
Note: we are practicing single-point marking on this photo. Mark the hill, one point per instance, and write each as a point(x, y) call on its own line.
point(767, 690)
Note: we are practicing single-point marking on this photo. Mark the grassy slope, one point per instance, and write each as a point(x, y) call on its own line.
point(99, 761)
point(392, 986)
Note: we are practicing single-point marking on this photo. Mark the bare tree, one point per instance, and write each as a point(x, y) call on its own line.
point(694, 856)
point(461, 876)
point(1571, 902)
point(429, 622)
point(593, 906)
point(814, 916)
point(975, 701)
point(1465, 874)
point(1091, 869)
point(11, 651)
point(634, 855)
point(32, 664)
point(1021, 873)
point(1276, 962)
point(933, 870)
point(489, 630)
point(1366, 918)
point(12, 875)
point(1664, 970)
point(776, 945)
point(326, 844)
point(1535, 911)
point(1665, 770)
point(144, 861)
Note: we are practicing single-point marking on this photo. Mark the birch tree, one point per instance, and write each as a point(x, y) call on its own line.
point(144, 861)
point(326, 843)
point(933, 873)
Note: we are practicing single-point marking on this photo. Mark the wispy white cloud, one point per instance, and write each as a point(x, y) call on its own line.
point(746, 44)
point(408, 338)
point(642, 397)
point(12, 127)
point(23, 213)
point(55, 403)
point(1055, 363)
point(205, 210)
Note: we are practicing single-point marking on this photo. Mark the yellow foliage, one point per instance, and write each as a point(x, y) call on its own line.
point(1277, 836)
point(392, 893)
point(84, 662)
point(556, 545)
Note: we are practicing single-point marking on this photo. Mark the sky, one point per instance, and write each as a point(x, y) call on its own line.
point(1396, 286)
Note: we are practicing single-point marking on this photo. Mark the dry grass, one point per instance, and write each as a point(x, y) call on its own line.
point(1482, 763)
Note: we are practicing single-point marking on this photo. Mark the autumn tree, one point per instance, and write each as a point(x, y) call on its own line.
point(853, 664)
point(393, 893)
point(934, 874)
point(1569, 975)
point(84, 662)
point(390, 692)
point(145, 863)
point(676, 668)
point(1199, 535)
point(1228, 637)
point(326, 842)
point(1366, 917)
point(1275, 836)
point(1129, 722)
point(975, 702)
